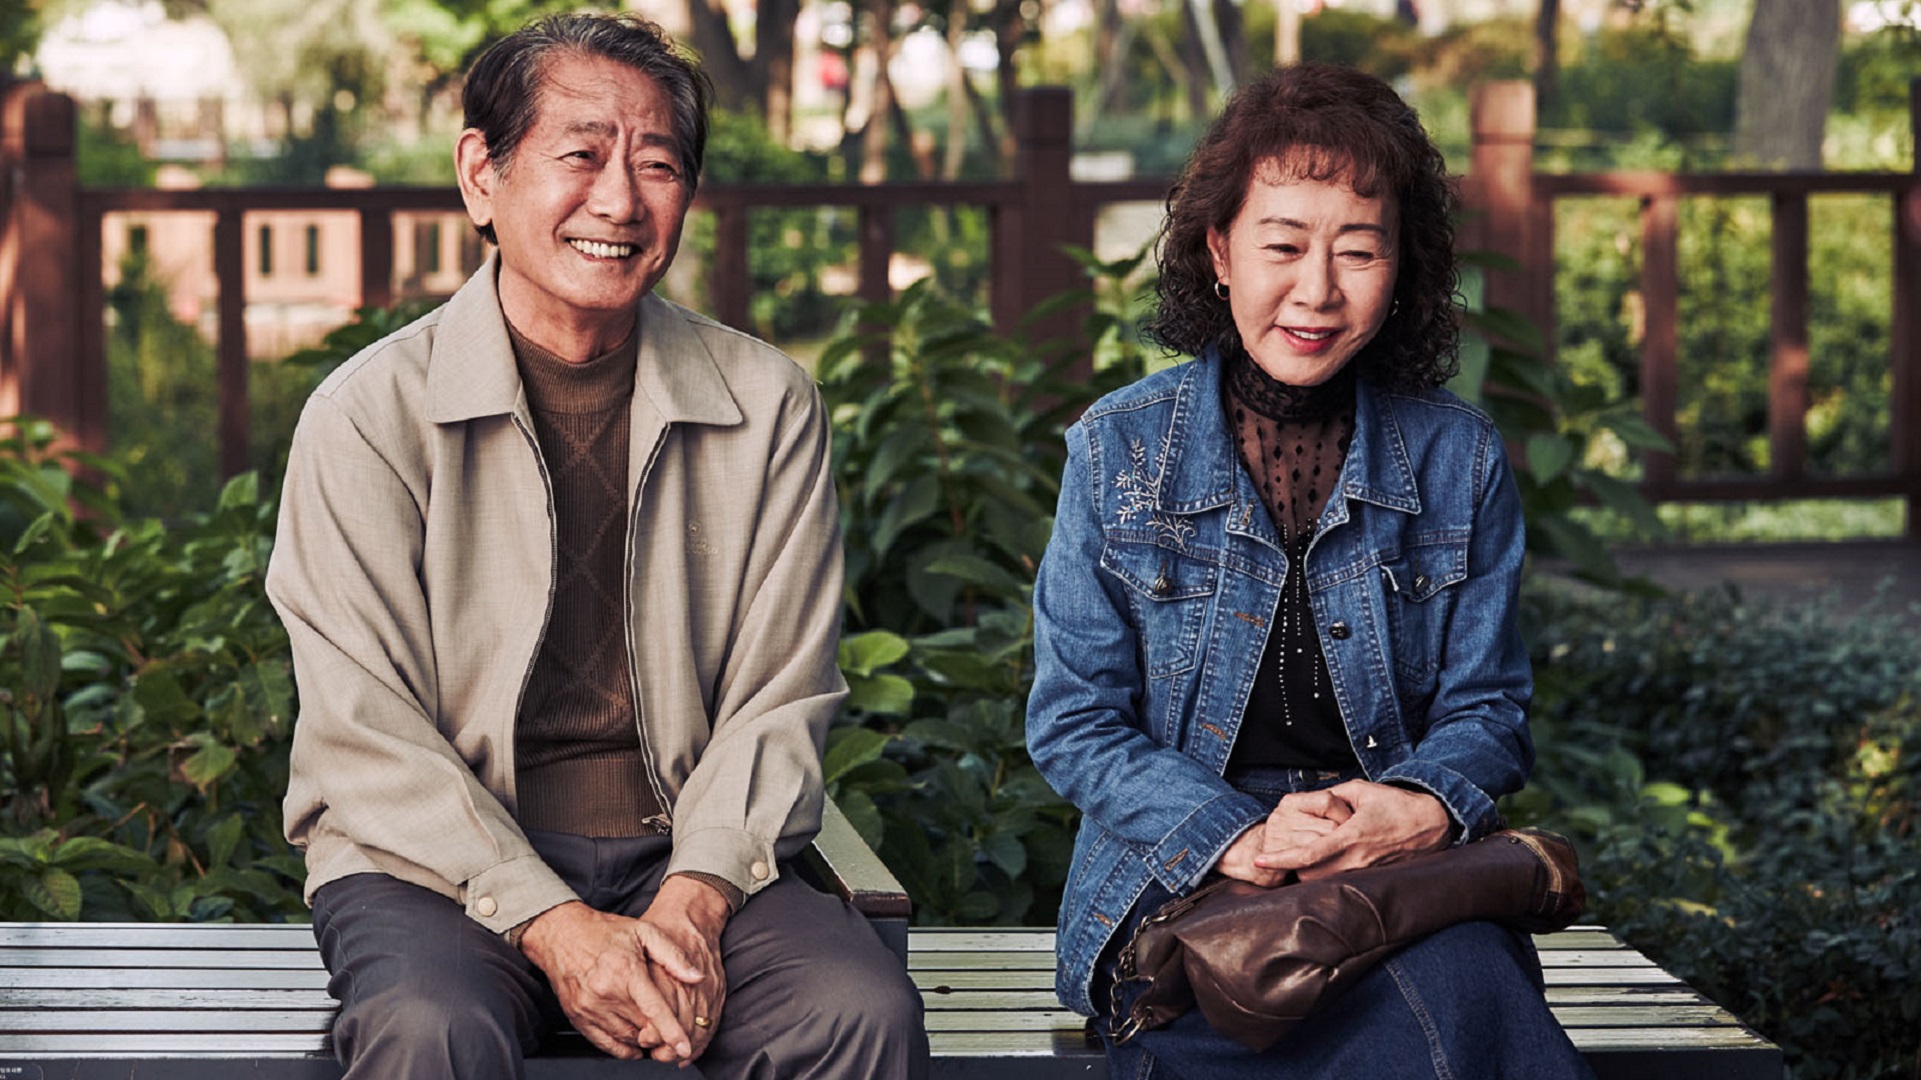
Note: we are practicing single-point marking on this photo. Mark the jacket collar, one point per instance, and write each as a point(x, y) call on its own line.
point(1202, 471)
point(471, 370)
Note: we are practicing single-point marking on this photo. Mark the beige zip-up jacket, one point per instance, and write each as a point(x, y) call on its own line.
point(414, 569)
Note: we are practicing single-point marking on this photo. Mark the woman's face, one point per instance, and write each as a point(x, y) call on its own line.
point(1309, 267)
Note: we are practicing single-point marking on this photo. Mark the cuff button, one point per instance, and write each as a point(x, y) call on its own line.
point(758, 870)
point(485, 907)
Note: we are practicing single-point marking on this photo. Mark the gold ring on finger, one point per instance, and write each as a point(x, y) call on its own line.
point(701, 1022)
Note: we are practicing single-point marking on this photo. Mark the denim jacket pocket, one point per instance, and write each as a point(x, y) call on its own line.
point(1418, 587)
point(1169, 592)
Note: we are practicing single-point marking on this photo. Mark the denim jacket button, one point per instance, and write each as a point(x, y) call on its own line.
point(1339, 631)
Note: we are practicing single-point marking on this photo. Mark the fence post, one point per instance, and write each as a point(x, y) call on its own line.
point(42, 223)
point(1028, 263)
point(1511, 221)
point(1906, 328)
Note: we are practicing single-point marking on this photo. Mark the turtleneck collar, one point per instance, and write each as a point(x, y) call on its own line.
point(1255, 389)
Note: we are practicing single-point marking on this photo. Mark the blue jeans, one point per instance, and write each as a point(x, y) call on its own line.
point(1462, 1004)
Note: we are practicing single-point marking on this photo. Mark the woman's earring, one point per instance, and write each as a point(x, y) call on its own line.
point(1220, 290)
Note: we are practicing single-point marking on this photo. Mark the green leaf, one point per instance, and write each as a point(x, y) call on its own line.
point(900, 447)
point(33, 850)
point(849, 748)
point(33, 533)
point(1578, 545)
point(55, 892)
point(978, 571)
point(887, 695)
point(1510, 325)
point(241, 491)
point(208, 764)
point(1636, 432)
point(154, 900)
point(95, 853)
point(39, 655)
point(1005, 851)
point(916, 503)
point(1548, 455)
point(1624, 499)
point(223, 839)
point(862, 814)
point(865, 653)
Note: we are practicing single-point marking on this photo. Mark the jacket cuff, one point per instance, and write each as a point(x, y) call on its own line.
point(738, 857)
point(727, 889)
point(507, 894)
point(1191, 850)
point(1467, 804)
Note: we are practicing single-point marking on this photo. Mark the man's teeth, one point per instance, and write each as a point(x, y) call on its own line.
point(602, 251)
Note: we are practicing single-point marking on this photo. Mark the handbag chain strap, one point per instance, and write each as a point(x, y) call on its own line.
point(1124, 1026)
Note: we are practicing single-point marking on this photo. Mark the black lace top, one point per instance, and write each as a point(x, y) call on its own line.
point(1293, 441)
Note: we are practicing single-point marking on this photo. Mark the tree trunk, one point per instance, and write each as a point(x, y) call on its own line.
point(873, 149)
point(1787, 82)
point(1194, 74)
point(774, 64)
point(956, 155)
point(1287, 33)
point(1010, 28)
point(1547, 59)
point(713, 39)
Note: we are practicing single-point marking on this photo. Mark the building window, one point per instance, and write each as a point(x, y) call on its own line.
point(137, 239)
point(266, 251)
point(430, 258)
point(313, 250)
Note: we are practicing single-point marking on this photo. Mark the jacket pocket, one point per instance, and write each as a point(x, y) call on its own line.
point(1168, 592)
point(1419, 587)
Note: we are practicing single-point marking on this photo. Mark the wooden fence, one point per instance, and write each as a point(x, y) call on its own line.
point(52, 343)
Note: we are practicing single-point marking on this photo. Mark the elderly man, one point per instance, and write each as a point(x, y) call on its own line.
point(561, 567)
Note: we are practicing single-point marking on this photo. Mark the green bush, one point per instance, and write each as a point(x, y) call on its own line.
point(948, 450)
point(148, 703)
point(1743, 781)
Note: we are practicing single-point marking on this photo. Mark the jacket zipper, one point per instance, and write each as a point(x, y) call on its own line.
point(553, 573)
point(665, 819)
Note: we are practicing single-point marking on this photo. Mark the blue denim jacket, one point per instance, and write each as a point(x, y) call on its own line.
point(1152, 608)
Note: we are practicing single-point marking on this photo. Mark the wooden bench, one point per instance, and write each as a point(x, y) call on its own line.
point(115, 1001)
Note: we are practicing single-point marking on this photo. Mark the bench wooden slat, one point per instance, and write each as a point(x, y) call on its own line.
point(161, 958)
point(225, 998)
point(129, 1021)
point(183, 978)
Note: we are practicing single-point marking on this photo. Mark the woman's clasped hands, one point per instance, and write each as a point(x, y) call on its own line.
point(1315, 834)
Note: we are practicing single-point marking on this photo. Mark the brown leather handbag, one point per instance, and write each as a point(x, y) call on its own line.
point(1258, 961)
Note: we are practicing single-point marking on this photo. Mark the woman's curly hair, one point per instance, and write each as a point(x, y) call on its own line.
point(1334, 124)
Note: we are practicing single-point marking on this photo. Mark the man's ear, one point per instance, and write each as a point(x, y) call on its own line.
point(474, 169)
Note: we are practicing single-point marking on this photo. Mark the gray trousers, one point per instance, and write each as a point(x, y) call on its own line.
point(427, 993)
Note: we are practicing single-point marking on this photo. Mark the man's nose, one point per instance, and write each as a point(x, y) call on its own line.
point(615, 195)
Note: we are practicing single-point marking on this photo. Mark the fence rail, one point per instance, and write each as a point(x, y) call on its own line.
point(52, 293)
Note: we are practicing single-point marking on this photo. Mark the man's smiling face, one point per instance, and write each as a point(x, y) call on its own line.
point(589, 209)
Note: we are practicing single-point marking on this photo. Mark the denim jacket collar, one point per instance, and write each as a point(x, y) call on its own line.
point(1200, 477)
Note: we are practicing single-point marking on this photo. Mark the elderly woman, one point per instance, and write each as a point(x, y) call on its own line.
point(1275, 625)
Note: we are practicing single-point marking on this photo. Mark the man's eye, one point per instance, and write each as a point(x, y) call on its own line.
point(1360, 256)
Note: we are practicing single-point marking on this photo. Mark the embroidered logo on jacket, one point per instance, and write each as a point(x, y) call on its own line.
point(1141, 495)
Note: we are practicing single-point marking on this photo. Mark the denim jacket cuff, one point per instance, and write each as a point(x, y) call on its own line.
point(1196, 844)
point(1468, 805)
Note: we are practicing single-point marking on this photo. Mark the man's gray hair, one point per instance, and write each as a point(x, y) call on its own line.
point(503, 85)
